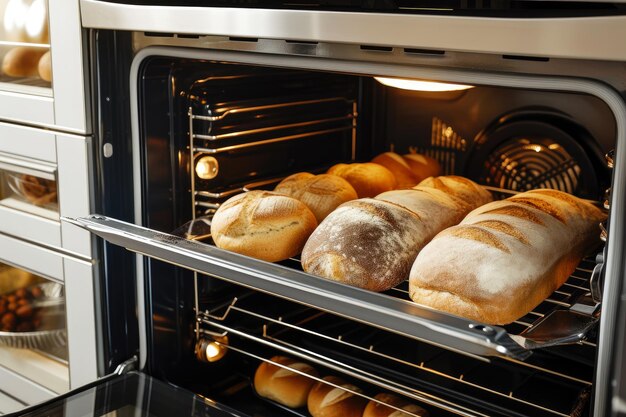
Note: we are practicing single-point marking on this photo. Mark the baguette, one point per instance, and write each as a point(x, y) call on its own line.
point(505, 257)
point(372, 243)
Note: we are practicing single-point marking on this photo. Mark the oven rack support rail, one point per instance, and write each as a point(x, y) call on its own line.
point(400, 316)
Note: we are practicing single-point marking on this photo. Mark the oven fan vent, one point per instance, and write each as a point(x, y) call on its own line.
point(524, 164)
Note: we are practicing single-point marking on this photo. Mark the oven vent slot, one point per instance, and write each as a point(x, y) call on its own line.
point(230, 140)
point(416, 51)
point(238, 39)
point(376, 48)
point(381, 358)
point(526, 58)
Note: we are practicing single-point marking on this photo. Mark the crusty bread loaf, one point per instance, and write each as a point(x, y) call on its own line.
point(44, 68)
point(263, 224)
point(422, 166)
point(505, 257)
point(460, 187)
point(321, 193)
point(327, 401)
point(367, 179)
point(376, 409)
point(282, 385)
point(372, 243)
point(22, 61)
point(399, 167)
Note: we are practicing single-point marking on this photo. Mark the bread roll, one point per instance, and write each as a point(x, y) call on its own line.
point(422, 166)
point(505, 257)
point(367, 179)
point(321, 193)
point(44, 67)
point(375, 409)
point(22, 61)
point(282, 385)
point(372, 243)
point(263, 224)
point(327, 401)
point(399, 167)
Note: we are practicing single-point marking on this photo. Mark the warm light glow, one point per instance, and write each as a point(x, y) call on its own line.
point(213, 350)
point(207, 168)
point(417, 85)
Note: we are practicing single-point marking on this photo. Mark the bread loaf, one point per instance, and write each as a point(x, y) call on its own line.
point(282, 385)
point(505, 257)
point(263, 224)
point(22, 61)
point(376, 409)
point(399, 167)
point(422, 166)
point(367, 179)
point(372, 243)
point(327, 401)
point(321, 193)
point(44, 68)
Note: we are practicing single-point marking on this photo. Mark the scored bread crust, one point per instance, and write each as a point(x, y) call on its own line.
point(376, 409)
point(282, 385)
point(263, 224)
point(372, 243)
point(505, 257)
point(422, 166)
point(328, 401)
point(321, 193)
point(399, 167)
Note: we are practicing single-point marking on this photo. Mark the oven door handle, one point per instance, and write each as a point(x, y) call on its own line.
point(401, 316)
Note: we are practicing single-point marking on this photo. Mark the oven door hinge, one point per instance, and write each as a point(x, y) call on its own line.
point(126, 366)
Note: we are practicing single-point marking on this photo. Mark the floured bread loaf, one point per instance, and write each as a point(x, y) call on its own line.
point(372, 243)
point(505, 257)
point(367, 179)
point(263, 224)
point(282, 385)
point(375, 409)
point(327, 401)
point(321, 193)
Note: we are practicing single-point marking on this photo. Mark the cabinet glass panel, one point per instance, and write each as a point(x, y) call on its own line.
point(33, 336)
point(29, 190)
point(25, 46)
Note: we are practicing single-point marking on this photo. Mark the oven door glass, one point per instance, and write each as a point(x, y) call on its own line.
point(133, 394)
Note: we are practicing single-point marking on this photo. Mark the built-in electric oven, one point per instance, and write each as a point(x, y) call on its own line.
point(199, 101)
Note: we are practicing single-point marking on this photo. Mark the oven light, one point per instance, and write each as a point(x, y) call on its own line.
point(416, 85)
point(212, 350)
point(207, 168)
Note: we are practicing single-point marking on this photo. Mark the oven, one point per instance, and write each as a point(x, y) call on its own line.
point(198, 101)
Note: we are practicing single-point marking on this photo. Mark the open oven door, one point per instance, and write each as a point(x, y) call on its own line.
point(128, 394)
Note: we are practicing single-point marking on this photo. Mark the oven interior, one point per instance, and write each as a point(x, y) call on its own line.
point(209, 130)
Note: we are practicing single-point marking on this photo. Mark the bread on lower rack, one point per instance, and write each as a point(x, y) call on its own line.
point(282, 385)
point(372, 243)
point(321, 193)
point(22, 61)
point(329, 401)
point(505, 257)
point(376, 409)
point(263, 224)
point(367, 179)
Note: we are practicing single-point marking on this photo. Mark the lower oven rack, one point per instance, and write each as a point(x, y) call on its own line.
point(297, 332)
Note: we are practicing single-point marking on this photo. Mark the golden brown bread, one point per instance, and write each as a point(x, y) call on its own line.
point(422, 166)
point(44, 68)
point(505, 257)
point(321, 193)
point(367, 179)
point(376, 409)
point(460, 187)
point(263, 224)
point(372, 243)
point(399, 167)
point(282, 385)
point(327, 401)
point(22, 61)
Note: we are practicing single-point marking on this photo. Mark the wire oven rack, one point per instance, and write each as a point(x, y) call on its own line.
point(402, 366)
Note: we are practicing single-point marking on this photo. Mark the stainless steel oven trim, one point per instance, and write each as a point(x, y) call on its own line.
point(615, 256)
point(581, 38)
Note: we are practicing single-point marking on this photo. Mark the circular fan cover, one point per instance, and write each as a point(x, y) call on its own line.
point(522, 164)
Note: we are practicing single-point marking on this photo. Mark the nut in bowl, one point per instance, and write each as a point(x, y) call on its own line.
point(34, 190)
